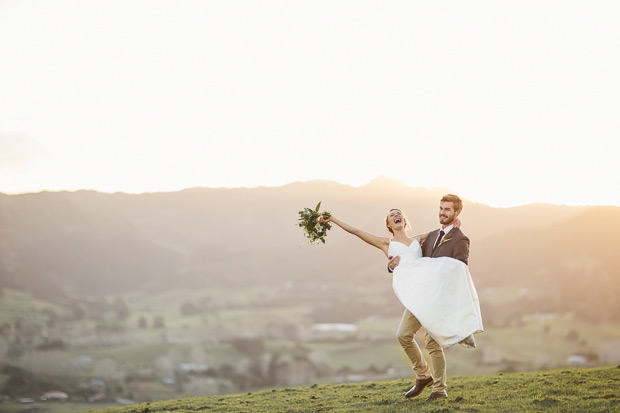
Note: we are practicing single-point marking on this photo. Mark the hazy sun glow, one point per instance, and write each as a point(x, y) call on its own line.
point(502, 102)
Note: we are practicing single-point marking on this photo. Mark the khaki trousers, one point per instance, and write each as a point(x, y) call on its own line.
point(409, 325)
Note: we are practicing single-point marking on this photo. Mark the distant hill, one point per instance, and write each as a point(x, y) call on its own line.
point(92, 243)
point(567, 266)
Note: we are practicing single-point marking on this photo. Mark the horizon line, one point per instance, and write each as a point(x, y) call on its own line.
point(392, 180)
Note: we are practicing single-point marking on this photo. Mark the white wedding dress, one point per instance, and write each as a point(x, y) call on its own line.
point(439, 292)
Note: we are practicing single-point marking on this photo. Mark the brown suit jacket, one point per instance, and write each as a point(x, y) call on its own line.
point(454, 244)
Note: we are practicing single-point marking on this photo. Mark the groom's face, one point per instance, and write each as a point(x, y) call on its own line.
point(447, 213)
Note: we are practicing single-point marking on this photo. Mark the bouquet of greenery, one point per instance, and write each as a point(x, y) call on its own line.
point(309, 221)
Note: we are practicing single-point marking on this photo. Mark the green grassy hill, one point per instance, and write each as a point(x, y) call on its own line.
point(578, 390)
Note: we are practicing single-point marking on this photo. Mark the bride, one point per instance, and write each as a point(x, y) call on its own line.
point(439, 292)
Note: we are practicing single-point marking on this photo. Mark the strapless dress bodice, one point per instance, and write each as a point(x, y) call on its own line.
point(407, 253)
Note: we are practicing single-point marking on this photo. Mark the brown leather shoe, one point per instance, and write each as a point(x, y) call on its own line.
point(420, 385)
point(437, 396)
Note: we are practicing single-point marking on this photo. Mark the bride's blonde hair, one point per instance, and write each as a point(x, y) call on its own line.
point(387, 219)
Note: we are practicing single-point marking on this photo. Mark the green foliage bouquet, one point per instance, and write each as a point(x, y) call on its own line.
point(313, 229)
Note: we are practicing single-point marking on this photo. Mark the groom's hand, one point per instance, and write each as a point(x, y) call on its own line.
point(393, 263)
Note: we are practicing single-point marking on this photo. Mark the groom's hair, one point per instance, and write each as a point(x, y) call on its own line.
point(456, 201)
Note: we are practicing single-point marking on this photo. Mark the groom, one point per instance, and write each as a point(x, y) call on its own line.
point(444, 242)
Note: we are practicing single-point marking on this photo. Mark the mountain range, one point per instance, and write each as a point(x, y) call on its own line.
point(95, 244)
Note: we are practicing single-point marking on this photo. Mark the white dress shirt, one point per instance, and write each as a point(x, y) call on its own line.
point(445, 232)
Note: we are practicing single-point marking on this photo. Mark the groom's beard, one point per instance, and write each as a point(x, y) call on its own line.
point(445, 220)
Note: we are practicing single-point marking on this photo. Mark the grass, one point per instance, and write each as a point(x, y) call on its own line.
point(564, 390)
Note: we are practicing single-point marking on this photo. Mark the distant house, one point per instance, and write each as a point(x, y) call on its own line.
point(196, 368)
point(55, 395)
point(97, 397)
point(576, 360)
point(336, 331)
point(96, 383)
point(344, 327)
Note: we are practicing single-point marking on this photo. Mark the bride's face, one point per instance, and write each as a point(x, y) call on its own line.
point(396, 220)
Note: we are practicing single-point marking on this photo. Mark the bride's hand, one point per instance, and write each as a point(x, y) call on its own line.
point(457, 223)
point(323, 220)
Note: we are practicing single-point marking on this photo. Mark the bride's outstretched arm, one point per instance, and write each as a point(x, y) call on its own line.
point(380, 242)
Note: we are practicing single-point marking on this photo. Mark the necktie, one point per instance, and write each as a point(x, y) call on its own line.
point(441, 234)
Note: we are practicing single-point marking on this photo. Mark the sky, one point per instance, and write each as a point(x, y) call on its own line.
point(502, 102)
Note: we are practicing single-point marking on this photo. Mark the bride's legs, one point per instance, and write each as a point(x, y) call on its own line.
point(406, 331)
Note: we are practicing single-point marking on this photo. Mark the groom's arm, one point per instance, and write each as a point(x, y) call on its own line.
point(393, 263)
point(461, 250)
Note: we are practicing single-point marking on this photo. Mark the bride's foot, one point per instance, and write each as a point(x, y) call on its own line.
point(468, 342)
